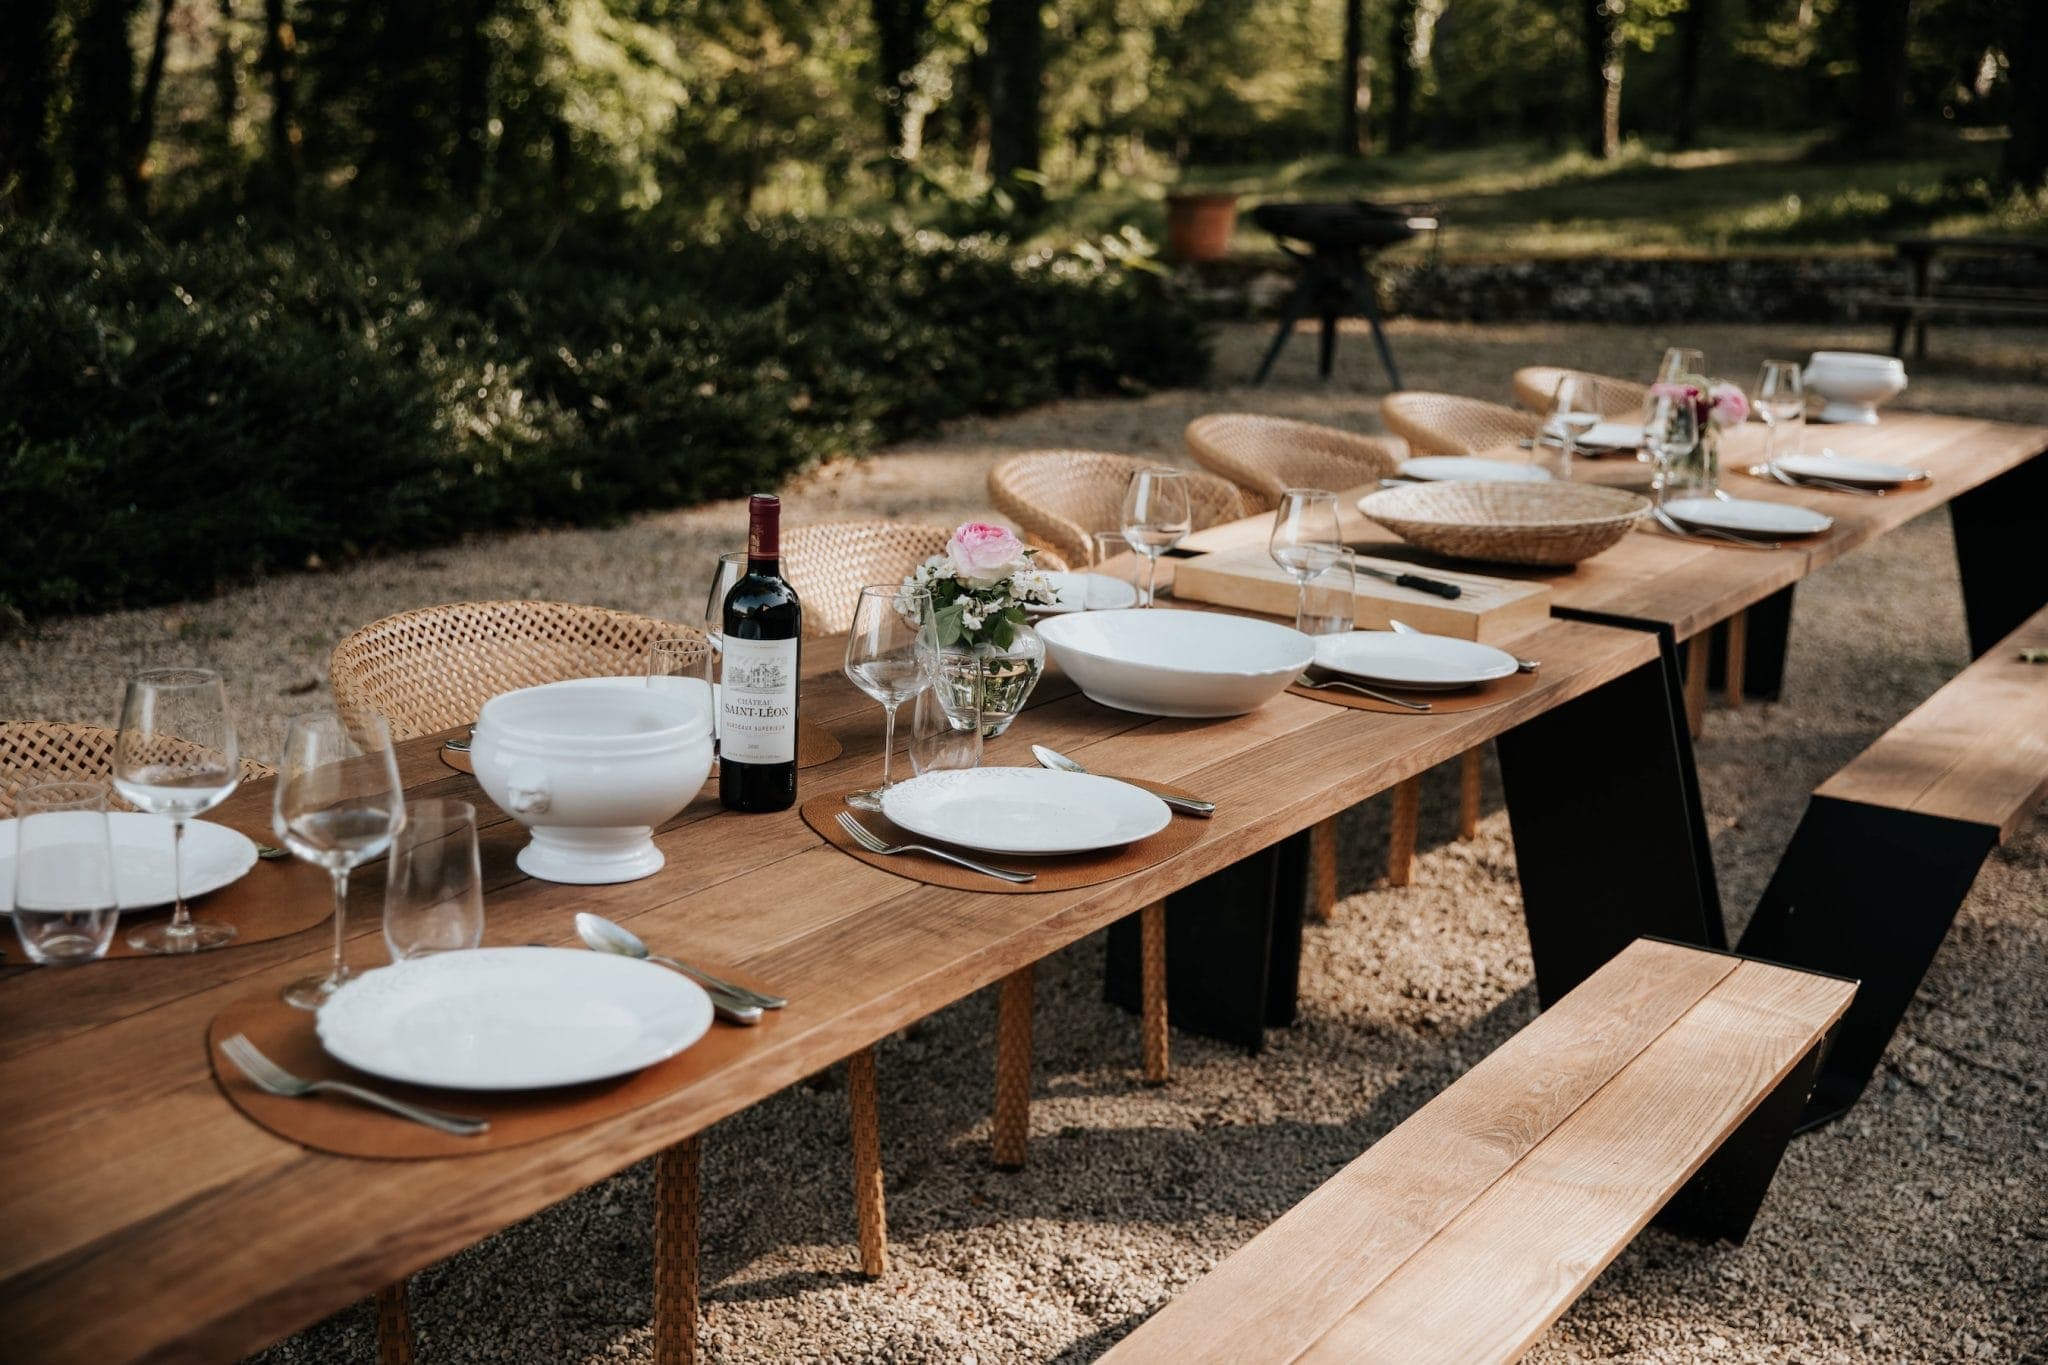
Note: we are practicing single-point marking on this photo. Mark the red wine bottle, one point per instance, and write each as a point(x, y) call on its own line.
point(764, 627)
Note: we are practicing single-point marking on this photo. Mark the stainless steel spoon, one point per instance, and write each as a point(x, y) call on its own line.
point(1521, 665)
point(732, 1002)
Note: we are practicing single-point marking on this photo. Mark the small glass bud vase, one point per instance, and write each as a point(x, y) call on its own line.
point(1006, 675)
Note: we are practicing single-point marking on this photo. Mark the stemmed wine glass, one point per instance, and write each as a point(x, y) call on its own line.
point(1156, 516)
point(1681, 364)
point(891, 655)
point(1573, 413)
point(175, 755)
point(338, 805)
point(1781, 402)
point(732, 566)
point(1306, 539)
point(1669, 438)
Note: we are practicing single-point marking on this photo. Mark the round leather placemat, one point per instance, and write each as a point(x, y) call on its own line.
point(1065, 873)
point(336, 1124)
point(277, 898)
point(1440, 703)
point(815, 747)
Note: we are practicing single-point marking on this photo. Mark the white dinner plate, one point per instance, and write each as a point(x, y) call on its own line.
point(1088, 592)
point(1747, 517)
point(214, 856)
point(1612, 436)
point(1025, 810)
point(512, 1018)
point(1470, 469)
point(1425, 663)
point(1848, 469)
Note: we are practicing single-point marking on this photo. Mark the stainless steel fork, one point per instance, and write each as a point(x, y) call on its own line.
point(873, 843)
point(267, 1075)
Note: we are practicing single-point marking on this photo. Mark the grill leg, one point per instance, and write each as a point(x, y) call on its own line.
point(1369, 304)
point(1327, 357)
point(1297, 305)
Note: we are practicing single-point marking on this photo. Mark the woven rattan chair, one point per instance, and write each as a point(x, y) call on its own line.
point(1061, 498)
point(1446, 424)
point(48, 750)
point(829, 561)
point(1264, 456)
point(1618, 399)
point(434, 668)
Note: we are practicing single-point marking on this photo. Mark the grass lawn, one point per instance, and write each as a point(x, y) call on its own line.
point(1747, 194)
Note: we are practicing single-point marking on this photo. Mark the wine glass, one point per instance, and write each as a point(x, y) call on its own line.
point(1669, 438)
point(1781, 402)
point(732, 566)
point(1329, 601)
point(1681, 365)
point(65, 907)
point(890, 655)
point(1305, 540)
point(685, 664)
point(945, 721)
point(1156, 516)
point(175, 755)
point(338, 805)
point(434, 885)
point(1573, 413)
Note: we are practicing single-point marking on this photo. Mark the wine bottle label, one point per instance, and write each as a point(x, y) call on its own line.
point(757, 701)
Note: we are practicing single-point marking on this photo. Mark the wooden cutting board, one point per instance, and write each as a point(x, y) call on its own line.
point(1490, 610)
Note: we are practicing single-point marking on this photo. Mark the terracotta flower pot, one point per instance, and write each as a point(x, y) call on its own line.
point(1198, 226)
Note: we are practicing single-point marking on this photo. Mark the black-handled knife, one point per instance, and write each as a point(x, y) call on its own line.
point(1448, 591)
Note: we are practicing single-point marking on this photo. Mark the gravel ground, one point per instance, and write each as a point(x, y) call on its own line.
point(1915, 1230)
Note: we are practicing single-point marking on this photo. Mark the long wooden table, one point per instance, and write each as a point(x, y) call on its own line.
point(146, 1219)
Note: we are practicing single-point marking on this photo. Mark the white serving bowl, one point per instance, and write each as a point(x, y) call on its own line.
point(1853, 383)
point(1160, 662)
point(591, 767)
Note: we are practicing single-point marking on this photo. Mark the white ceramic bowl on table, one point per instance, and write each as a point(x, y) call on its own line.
point(1160, 662)
point(1853, 384)
point(590, 768)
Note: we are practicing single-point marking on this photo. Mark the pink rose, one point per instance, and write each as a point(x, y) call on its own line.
point(983, 555)
point(1675, 390)
point(1730, 407)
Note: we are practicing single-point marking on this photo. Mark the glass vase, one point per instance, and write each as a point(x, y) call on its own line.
point(1005, 676)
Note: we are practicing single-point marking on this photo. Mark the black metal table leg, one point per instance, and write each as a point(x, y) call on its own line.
point(1867, 893)
point(1610, 835)
point(1998, 549)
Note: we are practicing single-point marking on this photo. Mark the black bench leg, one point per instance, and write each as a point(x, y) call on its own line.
point(1233, 949)
point(1899, 335)
point(1723, 1196)
point(1609, 851)
point(1867, 893)
point(1998, 549)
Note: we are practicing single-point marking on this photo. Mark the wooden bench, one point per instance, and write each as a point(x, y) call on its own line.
point(1670, 1079)
point(1917, 308)
point(1890, 845)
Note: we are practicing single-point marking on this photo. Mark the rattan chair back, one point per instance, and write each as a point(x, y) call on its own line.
point(434, 668)
point(1061, 498)
point(1447, 424)
point(1620, 400)
point(1265, 456)
point(52, 751)
point(829, 562)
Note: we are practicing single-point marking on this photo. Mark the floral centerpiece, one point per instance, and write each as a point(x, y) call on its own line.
point(981, 587)
point(1716, 405)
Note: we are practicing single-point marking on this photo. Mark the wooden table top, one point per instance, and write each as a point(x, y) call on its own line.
point(1687, 586)
point(146, 1218)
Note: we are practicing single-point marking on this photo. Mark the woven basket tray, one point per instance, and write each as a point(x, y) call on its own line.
point(1508, 523)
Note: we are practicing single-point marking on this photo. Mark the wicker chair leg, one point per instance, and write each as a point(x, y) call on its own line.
point(394, 1325)
point(1322, 869)
point(1401, 839)
point(1471, 781)
point(675, 1253)
point(867, 1163)
point(1736, 659)
point(1152, 1022)
point(1013, 1071)
point(1696, 683)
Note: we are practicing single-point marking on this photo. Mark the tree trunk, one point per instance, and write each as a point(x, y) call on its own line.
point(1693, 28)
point(2026, 151)
point(227, 84)
point(141, 132)
point(281, 67)
point(1603, 76)
point(102, 99)
point(899, 45)
point(1354, 90)
point(1877, 107)
point(25, 170)
point(473, 103)
point(1402, 61)
point(1016, 71)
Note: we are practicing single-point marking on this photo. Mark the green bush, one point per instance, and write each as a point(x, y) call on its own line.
point(175, 417)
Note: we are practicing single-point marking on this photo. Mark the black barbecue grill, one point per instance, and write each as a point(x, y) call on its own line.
point(1334, 284)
